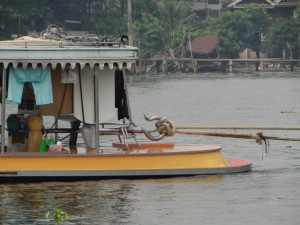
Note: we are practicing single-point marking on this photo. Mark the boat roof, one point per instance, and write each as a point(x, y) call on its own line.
point(38, 51)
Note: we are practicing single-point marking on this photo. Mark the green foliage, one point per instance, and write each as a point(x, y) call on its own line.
point(172, 14)
point(238, 30)
point(160, 26)
point(96, 16)
point(57, 215)
point(19, 16)
point(157, 25)
point(107, 20)
point(258, 20)
point(284, 35)
point(149, 38)
point(231, 29)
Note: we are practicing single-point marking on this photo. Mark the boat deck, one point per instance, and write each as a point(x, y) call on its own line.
point(153, 148)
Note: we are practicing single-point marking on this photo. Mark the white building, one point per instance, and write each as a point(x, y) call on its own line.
point(207, 8)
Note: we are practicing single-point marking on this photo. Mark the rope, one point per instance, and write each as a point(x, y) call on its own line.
point(59, 112)
point(54, 33)
point(60, 108)
point(167, 127)
point(231, 135)
point(259, 137)
point(163, 125)
point(236, 128)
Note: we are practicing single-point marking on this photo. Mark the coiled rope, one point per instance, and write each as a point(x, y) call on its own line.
point(53, 32)
point(163, 125)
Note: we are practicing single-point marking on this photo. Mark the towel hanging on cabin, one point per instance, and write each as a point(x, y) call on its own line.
point(41, 83)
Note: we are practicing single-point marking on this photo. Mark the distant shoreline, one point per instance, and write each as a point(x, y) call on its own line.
point(160, 65)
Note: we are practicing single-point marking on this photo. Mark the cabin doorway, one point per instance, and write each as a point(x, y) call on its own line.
point(28, 103)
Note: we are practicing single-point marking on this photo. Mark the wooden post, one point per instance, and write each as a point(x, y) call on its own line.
point(230, 65)
point(247, 52)
point(3, 109)
point(261, 65)
point(165, 66)
point(189, 36)
point(96, 75)
point(130, 42)
point(75, 124)
point(195, 65)
point(292, 66)
point(140, 60)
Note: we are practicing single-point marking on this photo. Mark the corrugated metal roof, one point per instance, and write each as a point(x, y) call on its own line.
point(34, 52)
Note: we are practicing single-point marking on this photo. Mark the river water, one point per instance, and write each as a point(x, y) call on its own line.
point(269, 194)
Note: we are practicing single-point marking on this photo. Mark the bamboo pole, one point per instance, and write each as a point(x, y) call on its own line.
point(194, 67)
point(96, 74)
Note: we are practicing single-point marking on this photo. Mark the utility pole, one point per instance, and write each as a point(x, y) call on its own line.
point(129, 22)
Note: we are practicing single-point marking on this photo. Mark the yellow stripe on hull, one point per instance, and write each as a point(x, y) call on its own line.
point(213, 159)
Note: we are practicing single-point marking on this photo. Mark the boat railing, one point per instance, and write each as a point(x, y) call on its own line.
point(123, 131)
point(57, 44)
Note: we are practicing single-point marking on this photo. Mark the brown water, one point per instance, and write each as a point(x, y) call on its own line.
point(270, 194)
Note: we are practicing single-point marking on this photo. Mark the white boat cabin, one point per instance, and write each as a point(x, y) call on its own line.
point(62, 78)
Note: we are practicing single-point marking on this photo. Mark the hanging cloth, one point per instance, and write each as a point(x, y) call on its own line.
point(120, 96)
point(41, 83)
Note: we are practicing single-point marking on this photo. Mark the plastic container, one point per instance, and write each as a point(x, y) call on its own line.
point(17, 147)
point(14, 122)
point(55, 148)
point(58, 141)
point(43, 145)
point(51, 140)
point(88, 135)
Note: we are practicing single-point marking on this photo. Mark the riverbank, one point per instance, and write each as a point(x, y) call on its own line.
point(163, 66)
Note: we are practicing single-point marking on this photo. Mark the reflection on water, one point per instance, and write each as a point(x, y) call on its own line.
point(269, 194)
point(108, 201)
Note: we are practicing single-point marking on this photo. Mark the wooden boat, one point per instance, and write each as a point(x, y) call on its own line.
point(87, 87)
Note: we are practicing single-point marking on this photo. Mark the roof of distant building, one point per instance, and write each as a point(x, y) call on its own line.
point(204, 44)
point(266, 3)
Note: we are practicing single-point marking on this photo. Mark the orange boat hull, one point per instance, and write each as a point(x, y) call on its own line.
point(152, 159)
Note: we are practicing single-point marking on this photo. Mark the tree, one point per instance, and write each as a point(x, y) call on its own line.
point(284, 36)
point(238, 30)
point(173, 15)
point(97, 16)
point(231, 29)
point(259, 19)
point(107, 18)
point(19, 16)
point(149, 33)
point(159, 25)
